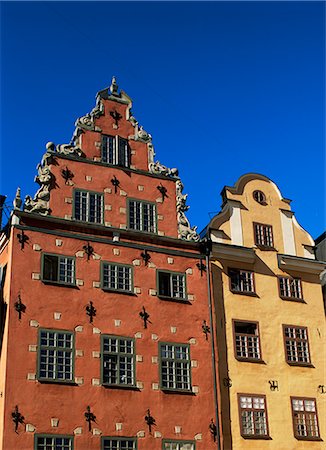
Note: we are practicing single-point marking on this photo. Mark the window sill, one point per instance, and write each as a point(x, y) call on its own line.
point(250, 360)
point(299, 364)
point(266, 248)
point(293, 299)
point(249, 294)
point(60, 283)
point(177, 391)
point(118, 291)
point(121, 386)
point(174, 299)
point(303, 438)
point(248, 436)
point(63, 382)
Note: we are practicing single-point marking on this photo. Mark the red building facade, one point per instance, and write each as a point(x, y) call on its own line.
point(105, 308)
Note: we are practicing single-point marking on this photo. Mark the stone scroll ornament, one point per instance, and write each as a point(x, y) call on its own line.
point(185, 231)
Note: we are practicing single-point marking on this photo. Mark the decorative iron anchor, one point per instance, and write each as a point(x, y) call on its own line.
point(116, 183)
point(145, 316)
point(22, 239)
point(116, 117)
point(19, 307)
point(17, 418)
point(67, 175)
point(201, 266)
point(89, 416)
point(146, 257)
point(89, 250)
point(149, 420)
point(206, 329)
point(213, 429)
point(90, 311)
point(163, 191)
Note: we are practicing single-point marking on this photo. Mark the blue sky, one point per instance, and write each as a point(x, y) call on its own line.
point(224, 88)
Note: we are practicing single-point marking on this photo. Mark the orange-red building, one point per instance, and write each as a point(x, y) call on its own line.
point(105, 313)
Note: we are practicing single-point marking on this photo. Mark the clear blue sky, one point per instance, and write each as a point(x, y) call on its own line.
point(224, 88)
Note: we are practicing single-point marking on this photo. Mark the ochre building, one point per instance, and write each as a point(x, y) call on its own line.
point(105, 321)
point(270, 321)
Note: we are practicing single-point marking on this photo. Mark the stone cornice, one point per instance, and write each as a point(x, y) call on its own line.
point(298, 264)
point(233, 253)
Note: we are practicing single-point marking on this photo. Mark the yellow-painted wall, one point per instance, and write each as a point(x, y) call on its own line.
point(270, 311)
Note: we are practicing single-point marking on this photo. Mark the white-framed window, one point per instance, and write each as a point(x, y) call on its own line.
point(305, 418)
point(118, 443)
point(115, 151)
point(171, 285)
point(253, 415)
point(88, 206)
point(242, 281)
point(53, 442)
point(263, 235)
point(168, 444)
point(290, 288)
point(117, 277)
point(142, 216)
point(175, 366)
point(247, 343)
point(118, 361)
point(296, 344)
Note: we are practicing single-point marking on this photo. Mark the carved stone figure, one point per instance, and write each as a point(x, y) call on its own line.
point(17, 201)
point(159, 169)
point(185, 231)
point(69, 150)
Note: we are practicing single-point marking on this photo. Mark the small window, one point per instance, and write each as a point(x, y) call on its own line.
point(290, 288)
point(177, 445)
point(58, 269)
point(88, 206)
point(53, 442)
point(247, 343)
point(263, 235)
point(296, 345)
point(171, 285)
point(253, 416)
point(142, 216)
point(55, 359)
point(260, 197)
point(115, 151)
point(118, 361)
point(305, 419)
point(117, 277)
point(175, 366)
point(242, 281)
point(118, 443)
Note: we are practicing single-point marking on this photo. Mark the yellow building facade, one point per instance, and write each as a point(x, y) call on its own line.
point(270, 322)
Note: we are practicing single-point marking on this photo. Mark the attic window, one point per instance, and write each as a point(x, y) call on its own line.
point(260, 197)
point(115, 151)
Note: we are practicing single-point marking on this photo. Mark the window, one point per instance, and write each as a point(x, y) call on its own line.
point(115, 151)
point(305, 419)
point(142, 216)
point(177, 445)
point(55, 359)
point(53, 442)
point(247, 344)
point(118, 361)
point(119, 443)
point(171, 285)
point(296, 344)
point(263, 235)
point(88, 206)
point(116, 277)
point(242, 281)
point(253, 415)
point(175, 366)
point(260, 197)
point(58, 269)
point(290, 288)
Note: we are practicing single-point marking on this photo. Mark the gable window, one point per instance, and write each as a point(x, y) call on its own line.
point(118, 443)
point(296, 344)
point(305, 419)
point(58, 269)
point(171, 285)
point(263, 235)
point(242, 281)
point(247, 343)
point(118, 361)
point(88, 206)
point(55, 358)
point(168, 444)
point(116, 277)
point(142, 216)
point(290, 288)
point(175, 366)
point(253, 416)
point(53, 442)
point(115, 151)
point(260, 197)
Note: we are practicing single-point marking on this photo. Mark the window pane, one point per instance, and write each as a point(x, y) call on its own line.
point(118, 361)
point(50, 268)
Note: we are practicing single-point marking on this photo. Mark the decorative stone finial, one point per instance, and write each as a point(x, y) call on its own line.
point(17, 201)
point(114, 87)
point(50, 146)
